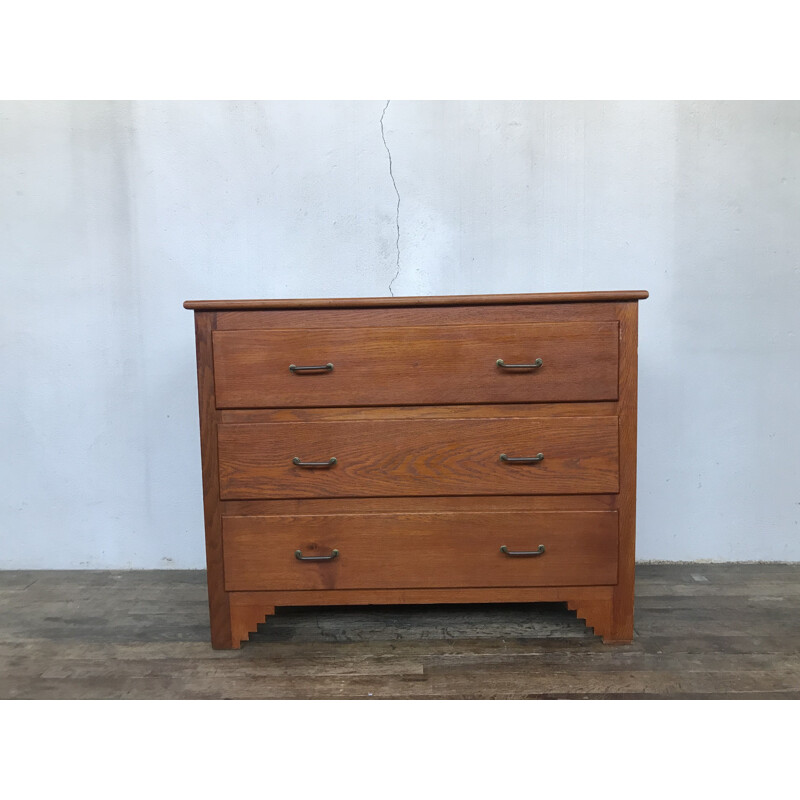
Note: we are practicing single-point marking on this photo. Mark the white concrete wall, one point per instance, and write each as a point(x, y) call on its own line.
point(112, 214)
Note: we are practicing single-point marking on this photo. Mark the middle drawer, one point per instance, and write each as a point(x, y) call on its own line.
point(418, 457)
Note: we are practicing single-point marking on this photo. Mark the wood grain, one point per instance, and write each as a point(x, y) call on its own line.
point(245, 618)
point(388, 302)
point(420, 550)
point(365, 505)
point(622, 627)
point(336, 414)
point(417, 365)
point(219, 608)
point(419, 457)
point(417, 412)
point(495, 594)
point(598, 615)
point(722, 631)
point(313, 318)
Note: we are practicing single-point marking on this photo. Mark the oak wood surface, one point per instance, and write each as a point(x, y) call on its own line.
point(366, 505)
point(414, 441)
point(622, 628)
point(219, 608)
point(419, 457)
point(436, 596)
point(246, 617)
point(417, 365)
point(384, 302)
point(420, 550)
point(313, 318)
point(337, 414)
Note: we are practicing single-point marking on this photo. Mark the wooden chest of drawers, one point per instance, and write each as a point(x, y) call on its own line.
point(419, 450)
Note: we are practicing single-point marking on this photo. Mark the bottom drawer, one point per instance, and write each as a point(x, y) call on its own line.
point(420, 550)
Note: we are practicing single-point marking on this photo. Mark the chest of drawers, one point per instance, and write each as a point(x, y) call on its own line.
point(470, 449)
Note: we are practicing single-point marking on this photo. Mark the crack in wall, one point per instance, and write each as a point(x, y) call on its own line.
point(394, 183)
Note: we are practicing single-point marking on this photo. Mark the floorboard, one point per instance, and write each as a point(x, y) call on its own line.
point(702, 631)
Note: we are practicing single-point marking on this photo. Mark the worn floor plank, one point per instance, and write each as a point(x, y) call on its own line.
point(703, 631)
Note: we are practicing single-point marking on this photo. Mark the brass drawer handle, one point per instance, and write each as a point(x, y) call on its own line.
point(329, 463)
point(298, 554)
point(536, 364)
point(327, 367)
point(538, 552)
point(524, 460)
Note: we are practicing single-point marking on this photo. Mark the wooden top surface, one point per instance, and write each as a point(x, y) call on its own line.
point(399, 302)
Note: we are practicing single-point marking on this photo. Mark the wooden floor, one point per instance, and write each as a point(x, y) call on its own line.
point(702, 631)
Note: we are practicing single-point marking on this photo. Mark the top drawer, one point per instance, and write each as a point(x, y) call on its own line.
point(424, 365)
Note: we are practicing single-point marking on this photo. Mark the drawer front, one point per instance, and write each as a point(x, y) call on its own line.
point(449, 364)
point(425, 550)
point(416, 457)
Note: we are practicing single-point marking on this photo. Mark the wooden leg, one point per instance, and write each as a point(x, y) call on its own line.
point(621, 629)
point(622, 617)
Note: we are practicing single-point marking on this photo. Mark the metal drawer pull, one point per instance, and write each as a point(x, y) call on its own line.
point(329, 463)
point(536, 364)
point(524, 460)
point(327, 367)
point(539, 551)
point(298, 554)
